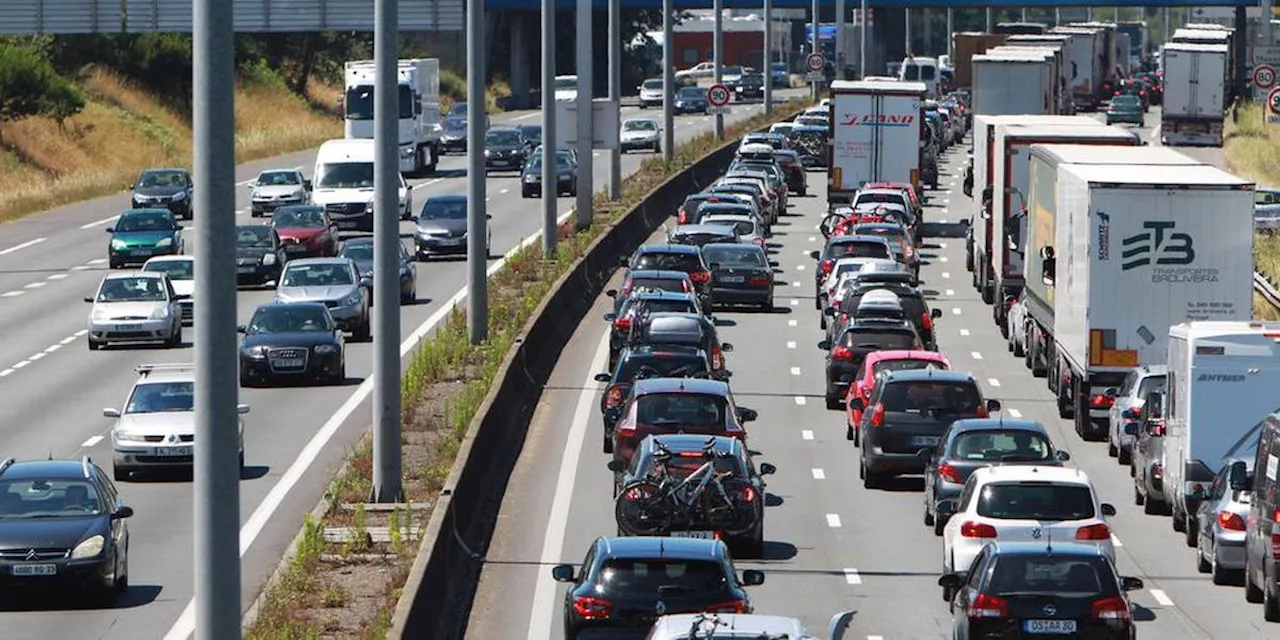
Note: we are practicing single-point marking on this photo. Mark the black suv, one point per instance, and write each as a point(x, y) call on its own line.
point(627, 583)
point(63, 525)
point(909, 413)
point(676, 257)
point(852, 344)
point(164, 189)
point(669, 328)
point(639, 303)
point(914, 306)
point(645, 361)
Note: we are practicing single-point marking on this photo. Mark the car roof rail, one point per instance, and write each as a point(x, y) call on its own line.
point(147, 369)
point(4, 466)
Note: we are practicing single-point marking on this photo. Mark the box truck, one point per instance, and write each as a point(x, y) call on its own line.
point(1000, 277)
point(1195, 94)
point(1222, 382)
point(967, 45)
point(1011, 84)
point(877, 135)
point(419, 109)
point(1142, 247)
point(1213, 34)
point(1088, 55)
point(1137, 32)
point(1054, 54)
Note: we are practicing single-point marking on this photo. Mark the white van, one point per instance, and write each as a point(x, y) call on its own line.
point(921, 69)
point(343, 183)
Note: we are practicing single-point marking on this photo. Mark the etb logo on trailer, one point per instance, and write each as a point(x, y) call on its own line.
point(1159, 245)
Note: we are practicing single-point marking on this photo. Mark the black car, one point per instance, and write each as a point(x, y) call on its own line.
point(624, 584)
point(676, 257)
point(293, 341)
point(566, 176)
point(260, 256)
point(638, 280)
point(647, 361)
point(914, 305)
point(453, 134)
point(690, 100)
point(640, 303)
point(360, 251)
point(532, 133)
point(851, 346)
point(972, 444)
point(699, 235)
point(672, 328)
point(740, 274)
point(164, 189)
point(63, 526)
point(682, 454)
point(1041, 589)
point(750, 86)
point(505, 149)
point(909, 413)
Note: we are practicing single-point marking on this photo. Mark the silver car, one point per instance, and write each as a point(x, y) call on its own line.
point(333, 281)
point(640, 133)
point(1266, 211)
point(1127, 407)
point(1220, 522)
point(749, 228)
point(278, 187)
point(133, 308)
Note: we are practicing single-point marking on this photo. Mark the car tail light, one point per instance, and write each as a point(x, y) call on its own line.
point(842, 353)
point(877, 415)
point(1157, 470)
point(592, 608)
point(748, 494)
point(928, 322)
point(613, 398)
point(758, 280)
point(1098, 531)
point(982, 412)
point(844, 317)
point(1230, 521)
point(971, 529)
point(1275, 535)
point(1116, 94)
point(700, 276)
point(1137, 411)
point(985, 606)
point(1101, 401)
point(732, 606)
point(1157, 429)
point(826, 266)
point(949, 473)
point(683, 218)
point(717, 358)
point(1113, 608)
point(1142, 94)
point(622, 325)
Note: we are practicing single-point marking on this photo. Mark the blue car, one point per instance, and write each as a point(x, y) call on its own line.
point(691, 100)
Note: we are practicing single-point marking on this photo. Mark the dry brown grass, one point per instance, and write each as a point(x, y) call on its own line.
point(1251, 147)
point(123, 130)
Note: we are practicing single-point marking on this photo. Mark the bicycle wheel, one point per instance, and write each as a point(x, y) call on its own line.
point(732, 509)
point(641, 509)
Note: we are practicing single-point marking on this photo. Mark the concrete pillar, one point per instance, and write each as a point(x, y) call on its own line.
point(521, 54)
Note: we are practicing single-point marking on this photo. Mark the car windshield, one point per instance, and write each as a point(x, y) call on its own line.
point(918, 396)
point(176, 269)
point(1125, 101)
point(653, 85)
point(455, 125)
point(289, 318)
point(298, 218)
point(686, 409)
point(459, 109)
point(1056, 576)
point(140, 289)
point(502, 138)
point(742, 227)
point(154, 179)
point(345, 175)
point(157, 397)
point(562, 163)
point(660, 365)
point(895, 234)
point(145, 222)
point(659, 284)
point(635, 577)
point(731, 71)
point(997, 445)
point(1035, 501)
point(686, 262)
point(49, 498)
point(253, 237)
point(278, 178)
point(858, 250)
point(316, 275)
point(532, 132)
point(748, 256)
point(783, 129)
point(438, 209)
point(358, 251)
point(691, 92)
point(639, 125)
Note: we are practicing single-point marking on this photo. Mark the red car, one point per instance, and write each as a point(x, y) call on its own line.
point(875, 363)
point(306, 231)
point(677, 405)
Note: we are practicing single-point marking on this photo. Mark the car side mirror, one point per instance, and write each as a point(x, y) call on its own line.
point(111, 413)
point(488, 216)
point(1047, 253)
point(945, 508)
point(830, 312)
point(747, 415)
point(1061, 456)
point(1108, 509)
point(815, 254)
point(1239, 476)
point(624, 261)
point(610, 316)
point(562, 573)
point(825, 345)
point(774, 263)
point(603, 377)
point(242, 329)
point(306, 184)
point(110, 230)
point(616, 466)
point(935, 314)
point(88, 298)
point(726, 347)
point(612, 293)
point(1128, 583)
point(767, 469)
point(242, 409)
point(951, 581)
point(993, 405)
point(752, 578)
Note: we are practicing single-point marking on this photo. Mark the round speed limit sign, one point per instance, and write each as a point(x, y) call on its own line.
point(815, 62)
point(1264, 76)
point(718, 95)
point(1273, 101)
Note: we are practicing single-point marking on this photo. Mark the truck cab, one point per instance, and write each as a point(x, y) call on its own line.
point(418, 103)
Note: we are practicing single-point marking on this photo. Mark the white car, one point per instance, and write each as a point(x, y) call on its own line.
point(651, 93)
point(276, 188)
point(749, 228)
point(697, 71)
point(640, 133)
point(566, 88)
point(181, 272)
point(156, 428)
point(1266, 211)
point(1022, 504)
point(134, 308)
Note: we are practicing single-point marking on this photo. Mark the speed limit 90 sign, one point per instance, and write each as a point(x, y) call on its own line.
point(718, 95)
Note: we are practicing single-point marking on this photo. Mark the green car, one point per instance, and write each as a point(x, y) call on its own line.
point(140, 234)
point(1126, 108)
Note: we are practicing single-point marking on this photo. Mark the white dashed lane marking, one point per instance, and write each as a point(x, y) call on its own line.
point(792, 323)
point(1014, 413)
point(946, 274)
point(964, 332)
point(976, 355)
point(950, 292)
point(795, 371)
point(851, 576)
point(956, 311)
point(1115, 542)
point(91, 441)
point(20, 247)
point(1162, 598)
point(799, 267)
point(796, 283)
point(791, 344)
point(6, 373)
point(833, 520)
point(57, 276)
point(34, 285)
point(11, 294)
point(49, 350)
point(819, 474)
point(795, 302)
point(942, 258)
point(98, 261)
point(800, 400)
point(806, 435)
point(993, 382)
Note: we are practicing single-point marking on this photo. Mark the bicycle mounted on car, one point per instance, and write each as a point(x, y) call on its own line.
point(710, 497)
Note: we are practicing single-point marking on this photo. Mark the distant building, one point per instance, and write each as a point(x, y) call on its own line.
point(743, 37)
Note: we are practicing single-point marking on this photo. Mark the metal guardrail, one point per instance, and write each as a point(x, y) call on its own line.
point(1267, 290)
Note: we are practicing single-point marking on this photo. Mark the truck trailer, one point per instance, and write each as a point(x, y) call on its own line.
point(1195, 94)
point(419, 109)
point(1056, 56)
point(1012, 84)
point(967, 45)
point(878, 134)
point(1142, 248)
point(1088, 56)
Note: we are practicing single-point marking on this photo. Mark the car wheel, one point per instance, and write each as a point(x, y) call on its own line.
point(176, 340)
point(94, 345)
point(833, 402)
point(121, 582)
point(1202, 565)
point(241, 464)
point(1191, 531)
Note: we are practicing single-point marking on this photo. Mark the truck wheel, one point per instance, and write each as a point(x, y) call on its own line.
point(1063, 394)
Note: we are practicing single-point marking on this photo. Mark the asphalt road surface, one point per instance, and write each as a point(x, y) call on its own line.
point(52, 391)
point(831, 544)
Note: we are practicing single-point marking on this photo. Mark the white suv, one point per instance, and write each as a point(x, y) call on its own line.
point(1023, 503)
point(156, 428)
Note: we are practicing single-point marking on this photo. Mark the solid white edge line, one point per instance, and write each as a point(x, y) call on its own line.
point(541, 617)
point(1014, 413)
point(20, 247)
point(97, 223)
point(851, 576)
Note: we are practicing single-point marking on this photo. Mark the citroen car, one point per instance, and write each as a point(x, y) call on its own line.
point(442, 227)
point(360, 251)
point(292, 342)
point(133, 308)
point(260, 254)
point(276, 187)
point(182, 275)
point(640, 133)
point(164, 189)
point(140, 234)
point(333, 282)
point(306, 231)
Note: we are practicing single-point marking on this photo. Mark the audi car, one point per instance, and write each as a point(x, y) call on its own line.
point(293, 342)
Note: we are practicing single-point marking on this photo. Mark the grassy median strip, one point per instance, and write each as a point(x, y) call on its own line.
point(346, 573)
point(1250, 148)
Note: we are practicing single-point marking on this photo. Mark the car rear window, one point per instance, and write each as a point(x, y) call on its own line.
point(893, 234)
point(644, 576)
point(1052, 575)
point(699, 238)
point(742, 227)
point(998, 445)
point(661, 284)
point(858, 250)
point(1035, 501)
point(663, 365)
point(879, 339)
point(658, 306)
point(881, 197)
point(747, 256)
point(1149, 384)
point(683, 463)
point(918, 396)
point(906, 364)
point(691, 409)
point(911, 302)
point(685, 262)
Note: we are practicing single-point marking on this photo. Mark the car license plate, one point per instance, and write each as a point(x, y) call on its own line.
point(1050, 626)
point(173, 451)
point(140, 252)
point(924, 441)
point(701, 535)
point(35, 569)
point(451, 241)
point(346, 224)
point(124, 327)
point(246, 269)
point(295, 248)
point(735, 279)
point(288, 363)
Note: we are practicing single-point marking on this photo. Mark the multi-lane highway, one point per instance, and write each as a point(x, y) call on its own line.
point(831, 544)
point(53, 390)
